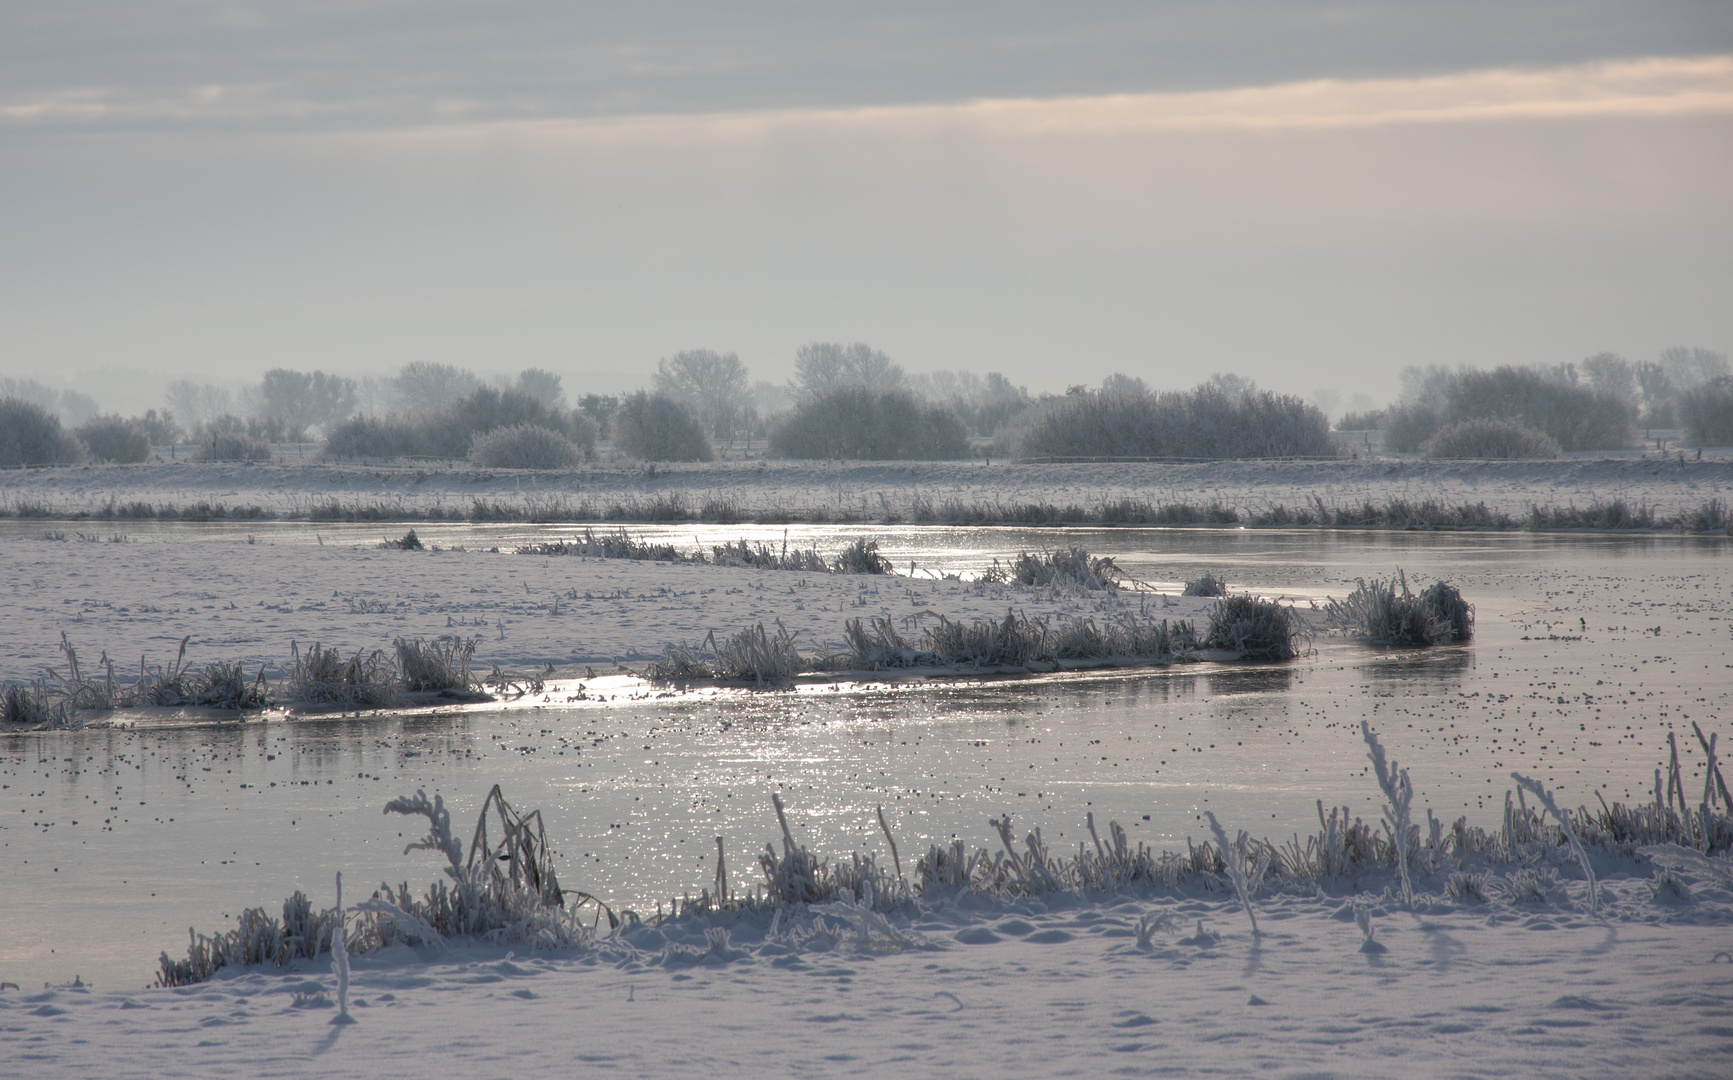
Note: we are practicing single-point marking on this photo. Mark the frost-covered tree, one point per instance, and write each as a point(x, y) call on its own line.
point(712, 384)
point(301, 399)
point(821, 367)
point(197, 404)
point(542, 385)
point(1121, 383)
point(1612, 374)
point(422, 386)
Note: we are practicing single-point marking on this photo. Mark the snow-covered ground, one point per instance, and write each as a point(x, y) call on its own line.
point(247, 601)
point(1034, 987)
point(980, 987)
point(873, 490)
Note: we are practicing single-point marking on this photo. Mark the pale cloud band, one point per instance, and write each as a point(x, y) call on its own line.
point(1649, 87)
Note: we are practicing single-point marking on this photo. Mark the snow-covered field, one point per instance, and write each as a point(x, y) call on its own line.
point(872, 490)
point(1008, 989)
point(1610, 644)
point(245, 598)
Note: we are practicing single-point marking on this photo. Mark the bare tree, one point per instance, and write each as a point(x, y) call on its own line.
point(542, 385)
point(822, 367)
point(1612, 374)
point(714, 385)
point(423, 386)
point(1121, 383)
point(300, 399)
point(197, 404)
point(1688, 368)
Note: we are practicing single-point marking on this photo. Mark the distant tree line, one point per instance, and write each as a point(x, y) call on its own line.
point(854, 401)
point(1598, 404)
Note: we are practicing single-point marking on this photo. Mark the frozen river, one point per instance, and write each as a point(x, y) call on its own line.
point(1589, 651)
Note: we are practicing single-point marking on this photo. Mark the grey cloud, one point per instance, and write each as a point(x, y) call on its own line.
point(369, 62)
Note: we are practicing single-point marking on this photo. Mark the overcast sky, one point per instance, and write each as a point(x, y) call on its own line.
point(1314, 195)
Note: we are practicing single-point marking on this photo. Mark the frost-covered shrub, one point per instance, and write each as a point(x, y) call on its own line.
point(1207, 585)
point(876, 425)
point(1386, 612)
point(1490, 439)
point(374, 437)
point(1406, 427)
point(860, 557)
point(1577, 417)
point(452, 431)
point(440, 664)
point(233, 446)
point(1071, 568)
point(524, 446)
point(655, 427)
point(1706, 413)
point(1207, 422)
point(322, 676)
point(1361, 421)
point(1255, 629)
point(755, 656)
point(110, 438)
point(31, 435)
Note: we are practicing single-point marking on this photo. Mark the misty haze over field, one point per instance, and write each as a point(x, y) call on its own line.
point(1312, 196)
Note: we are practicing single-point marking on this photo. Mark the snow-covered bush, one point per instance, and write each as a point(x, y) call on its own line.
point(766, 660)
point(31, 435)
point(860, 557)
point(453, 431)
point(524, 446)
point(1070, 568)
point(111, 438)
point(322, 676)
point(1207, 585)
point(373, 437)
point(1706, 413)
point(1576, 417)
point(1253, 628)
point(1386, 612)
point(1408, 426)
point(1207, 422)
point(1489, 439)
point(440, 664)
point(877, 425)
point(655, 427)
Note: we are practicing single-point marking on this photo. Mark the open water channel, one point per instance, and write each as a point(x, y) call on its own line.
point(1589, 651)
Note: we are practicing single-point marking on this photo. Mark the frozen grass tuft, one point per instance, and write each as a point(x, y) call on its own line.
point(1386, 612)
point(880, 646)
point(860, 557)
point(322, 676)
point(764, 557)
point(59, 698)
point(683, 664)
point(1070, 568)
point(1014, 642)
point(1236, 857)
point(1253, 628)
point(504, 891)
point(1399, 796)
point(767, 660)
point(1564, 820)
point(1528, 886)
point(615, 545)
point(440, 664)
point(1207, 585)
